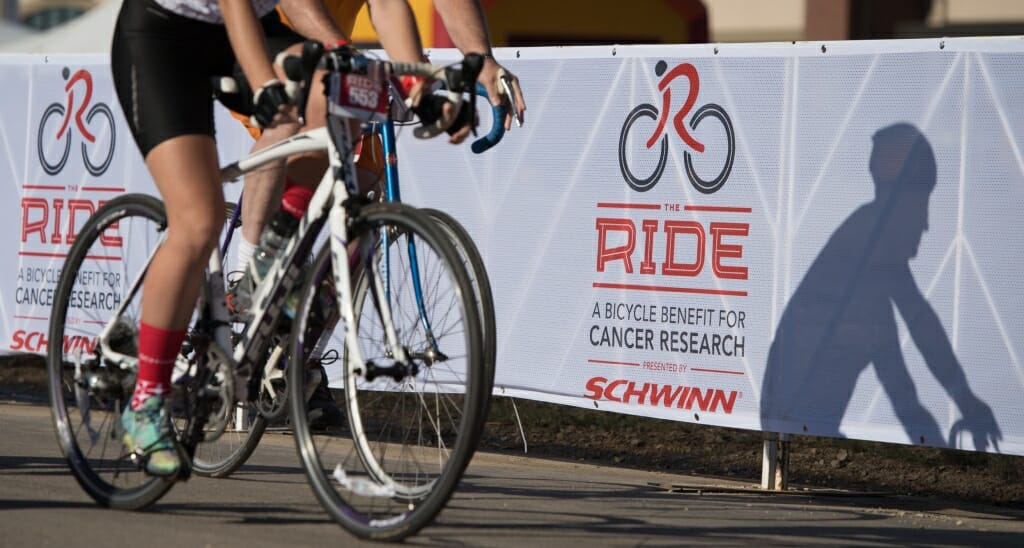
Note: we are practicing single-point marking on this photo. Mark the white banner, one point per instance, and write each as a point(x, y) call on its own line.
point(813, 239)
point(66, 151)
point(797, 238)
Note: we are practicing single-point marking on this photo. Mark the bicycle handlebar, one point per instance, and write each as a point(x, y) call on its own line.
point(493, 137)
point(457, 79)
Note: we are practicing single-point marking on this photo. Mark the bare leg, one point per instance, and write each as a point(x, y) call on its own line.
point(195, 214)
point(185, 171)
point(263, 187)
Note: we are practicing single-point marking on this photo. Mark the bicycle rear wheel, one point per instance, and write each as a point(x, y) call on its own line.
point(222, 457)
point(478, 278)
point(87, 389)
point(412, 428)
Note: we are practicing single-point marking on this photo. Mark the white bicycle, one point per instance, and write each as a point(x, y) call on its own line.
point(387, 293)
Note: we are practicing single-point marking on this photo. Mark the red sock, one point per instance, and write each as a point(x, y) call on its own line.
point(295, 199)
point(158, 349)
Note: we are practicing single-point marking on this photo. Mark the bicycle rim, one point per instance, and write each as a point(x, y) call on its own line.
point(390, 470)
point(87, 391)
point(222, 457)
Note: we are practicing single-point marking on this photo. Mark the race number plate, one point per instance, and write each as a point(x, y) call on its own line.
point(359, 96)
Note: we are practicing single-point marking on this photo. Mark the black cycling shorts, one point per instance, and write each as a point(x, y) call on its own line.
point(163, 65)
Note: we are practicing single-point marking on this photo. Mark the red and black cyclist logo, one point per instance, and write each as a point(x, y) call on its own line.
point(94, 125)
point(642, 163)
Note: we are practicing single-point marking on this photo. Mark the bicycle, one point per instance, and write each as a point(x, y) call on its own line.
point(225, 456)
point(407, 343)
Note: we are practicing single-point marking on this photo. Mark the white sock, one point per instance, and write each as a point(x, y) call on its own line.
point(244, 253)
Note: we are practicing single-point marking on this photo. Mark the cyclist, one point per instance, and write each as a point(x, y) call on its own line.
point(163, 56)
point(332, 21)
point(336, 20)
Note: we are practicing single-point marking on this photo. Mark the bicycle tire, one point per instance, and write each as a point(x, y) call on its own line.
point(239, 440)
point(481, 283)
point(383, 493)
point(92, 275)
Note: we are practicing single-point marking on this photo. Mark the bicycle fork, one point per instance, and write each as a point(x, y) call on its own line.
point(391, 194)
point(343, 279)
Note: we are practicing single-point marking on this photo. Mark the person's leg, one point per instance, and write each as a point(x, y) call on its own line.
point(186, 173)
point(261, 195)
point(185, 170)
point(308, 168)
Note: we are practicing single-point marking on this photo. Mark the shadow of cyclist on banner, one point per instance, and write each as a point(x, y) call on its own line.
point(841, 318)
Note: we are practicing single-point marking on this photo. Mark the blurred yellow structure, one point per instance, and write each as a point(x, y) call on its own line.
point(565, 22)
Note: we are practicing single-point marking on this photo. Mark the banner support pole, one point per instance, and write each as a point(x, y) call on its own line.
point(775, 462)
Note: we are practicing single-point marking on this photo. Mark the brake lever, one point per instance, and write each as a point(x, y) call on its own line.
point(471, 112)
point(472, 64)
point(311, 53)
point(506, 85)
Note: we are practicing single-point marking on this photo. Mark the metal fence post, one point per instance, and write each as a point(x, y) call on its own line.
point(775, 462)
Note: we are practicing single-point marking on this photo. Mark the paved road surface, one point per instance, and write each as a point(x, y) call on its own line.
point(504, 501)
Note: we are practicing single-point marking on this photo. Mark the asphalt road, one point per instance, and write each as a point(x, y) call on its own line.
point(504, 501)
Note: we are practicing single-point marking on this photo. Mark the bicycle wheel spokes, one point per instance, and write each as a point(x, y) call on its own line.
point(99, 292)
point(412, 425)
point(227, 453)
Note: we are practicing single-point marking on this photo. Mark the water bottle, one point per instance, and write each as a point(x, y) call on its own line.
point(272, 241)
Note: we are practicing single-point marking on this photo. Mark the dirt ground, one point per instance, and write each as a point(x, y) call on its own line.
point(649, 444)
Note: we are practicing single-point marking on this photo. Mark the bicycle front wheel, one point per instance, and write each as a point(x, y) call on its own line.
point(100, 277)
point(412, 427)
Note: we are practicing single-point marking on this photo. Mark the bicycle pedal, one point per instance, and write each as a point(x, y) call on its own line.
point(137, 459)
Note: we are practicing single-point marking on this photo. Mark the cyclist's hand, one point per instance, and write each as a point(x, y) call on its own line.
point(461, 125)
point(437, 111)
point(503, 88)
point(271, 105)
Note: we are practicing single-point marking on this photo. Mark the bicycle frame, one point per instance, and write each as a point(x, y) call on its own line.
point(328, 204)
point(319, 140)
point(339, 183)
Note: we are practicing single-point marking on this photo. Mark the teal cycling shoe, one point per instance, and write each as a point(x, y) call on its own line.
point(147, 433)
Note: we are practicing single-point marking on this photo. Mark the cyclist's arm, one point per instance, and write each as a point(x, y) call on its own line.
point(464, 20)
point(247, 41)
point(467, 26)
point(396, 28)
point(311, 19)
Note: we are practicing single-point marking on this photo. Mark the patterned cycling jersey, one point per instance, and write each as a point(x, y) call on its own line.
point(208, 11)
